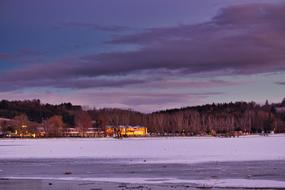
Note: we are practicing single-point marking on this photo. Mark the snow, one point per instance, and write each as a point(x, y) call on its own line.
point(223, 183)
point(156, 150)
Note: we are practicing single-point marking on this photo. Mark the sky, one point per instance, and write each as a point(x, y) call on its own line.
point(142, 55)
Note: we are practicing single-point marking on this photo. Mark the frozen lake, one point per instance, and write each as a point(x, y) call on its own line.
point(154, 150)
point(245, 162)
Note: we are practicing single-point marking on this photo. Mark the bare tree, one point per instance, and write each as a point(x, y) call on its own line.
point(82, 122)
point(54, 126)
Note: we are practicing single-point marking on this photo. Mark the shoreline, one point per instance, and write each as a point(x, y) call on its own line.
point(151, 137)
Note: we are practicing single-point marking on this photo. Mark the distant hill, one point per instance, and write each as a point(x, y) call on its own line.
point(220, 118)
point(205, 119)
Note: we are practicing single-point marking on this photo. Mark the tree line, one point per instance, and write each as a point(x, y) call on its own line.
point(218, 118)
point(206, 119)
point(28, 116)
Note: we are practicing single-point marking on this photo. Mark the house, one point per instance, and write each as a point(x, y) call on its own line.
point(125, 131)
point(71, 132)
point(132, 131)
point(93, 132)
point(23, 132)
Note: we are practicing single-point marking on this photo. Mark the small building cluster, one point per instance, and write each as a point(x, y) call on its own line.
point(89, 132)
point(126, 131)
point(9, 128)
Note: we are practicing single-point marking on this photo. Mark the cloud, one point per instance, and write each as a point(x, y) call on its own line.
point(241, 39)
point(122, 98)
point(188, 84)
point(4, 56)
point(165, 98)
point(78, 83)
point(93, 26)
point(24, 55)
point(280, 83)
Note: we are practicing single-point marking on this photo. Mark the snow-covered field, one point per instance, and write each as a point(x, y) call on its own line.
point(157, 150)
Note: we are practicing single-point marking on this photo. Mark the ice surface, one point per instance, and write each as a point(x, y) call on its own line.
point(229, 183)
point(158, 150)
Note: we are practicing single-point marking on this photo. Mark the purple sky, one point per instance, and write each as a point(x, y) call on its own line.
point(144, 55)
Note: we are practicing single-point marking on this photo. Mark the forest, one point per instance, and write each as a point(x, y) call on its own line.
point(195, 120)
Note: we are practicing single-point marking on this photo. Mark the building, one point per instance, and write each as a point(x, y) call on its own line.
point(71, 132)
point(90, 132)
point(93, 132)
point(22, 132)
point(132, 131)
point(126, 131)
